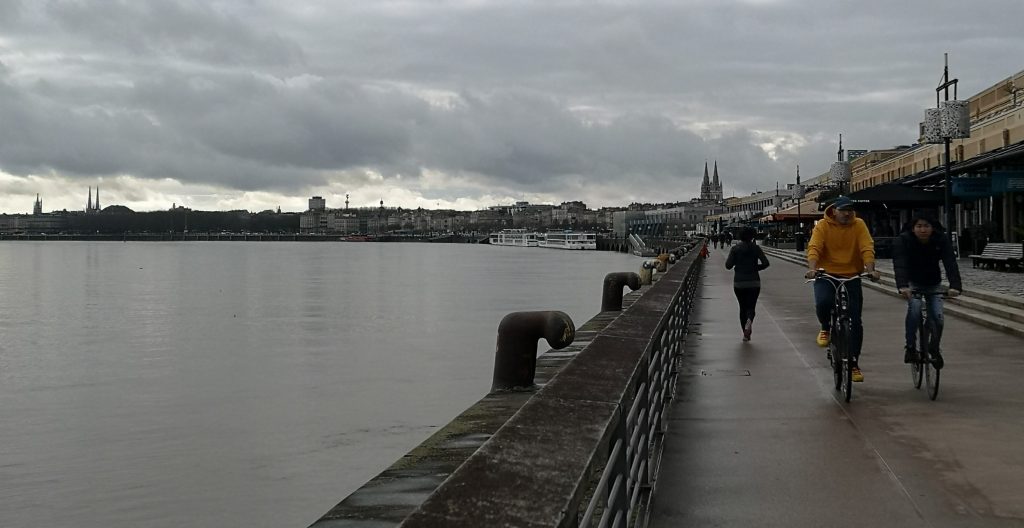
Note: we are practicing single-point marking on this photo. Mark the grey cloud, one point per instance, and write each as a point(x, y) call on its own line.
point(41, 137)
point(255, 95)
point(192, 30)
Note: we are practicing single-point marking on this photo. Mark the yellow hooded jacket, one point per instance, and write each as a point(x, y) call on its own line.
point(842, 250)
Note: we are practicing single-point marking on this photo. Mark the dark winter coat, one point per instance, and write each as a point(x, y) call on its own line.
point(748, 259)
point(918, 263)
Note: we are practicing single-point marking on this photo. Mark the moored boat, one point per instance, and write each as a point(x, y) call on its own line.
point(514, 237)
point(569, 240)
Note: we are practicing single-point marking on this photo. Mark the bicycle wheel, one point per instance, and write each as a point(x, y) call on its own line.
point(848, 378)
point(836, 362)
point(916, 366)
point(931, 374)
point(843, 361)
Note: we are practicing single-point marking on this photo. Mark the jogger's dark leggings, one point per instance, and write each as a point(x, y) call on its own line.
point(748, 300)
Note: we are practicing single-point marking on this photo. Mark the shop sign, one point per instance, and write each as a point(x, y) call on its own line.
point(972, 187)
point(1007, 181)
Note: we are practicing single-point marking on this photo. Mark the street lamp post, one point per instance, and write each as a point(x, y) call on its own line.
point(799, 238)
point(775, 217)
point(946, 139)
point(949, 120)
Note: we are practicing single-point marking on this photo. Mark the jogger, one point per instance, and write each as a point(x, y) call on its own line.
point(748, 259)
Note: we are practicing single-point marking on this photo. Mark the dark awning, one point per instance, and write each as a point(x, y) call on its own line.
point(897, 195)
point(935, 176)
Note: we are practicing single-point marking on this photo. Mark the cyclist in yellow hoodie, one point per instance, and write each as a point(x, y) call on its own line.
point(842, 245)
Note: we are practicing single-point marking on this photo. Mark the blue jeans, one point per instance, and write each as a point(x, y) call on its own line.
point(934, 299)
point(825, 298)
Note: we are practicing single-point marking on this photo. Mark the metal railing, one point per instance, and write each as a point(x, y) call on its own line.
point(642, 432)
point(585, 449)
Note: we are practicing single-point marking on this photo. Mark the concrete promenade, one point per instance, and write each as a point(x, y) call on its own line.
point(759, 437)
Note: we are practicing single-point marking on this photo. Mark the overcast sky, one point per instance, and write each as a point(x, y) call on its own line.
point(255, 104)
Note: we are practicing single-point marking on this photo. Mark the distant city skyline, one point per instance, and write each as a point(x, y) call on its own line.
point(460, 104)
point(709, 190)
point(91, 206)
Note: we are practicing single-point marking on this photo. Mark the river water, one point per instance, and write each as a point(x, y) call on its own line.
point(213, 384)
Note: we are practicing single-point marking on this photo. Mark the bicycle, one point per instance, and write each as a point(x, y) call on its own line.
point(923, 363)
point(839, 332)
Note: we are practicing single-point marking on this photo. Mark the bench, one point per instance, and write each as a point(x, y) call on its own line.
point(999, 254)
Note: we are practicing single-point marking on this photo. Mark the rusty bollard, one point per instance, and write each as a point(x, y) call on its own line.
point(611, 296)
point(662, 263)
point(515, 360)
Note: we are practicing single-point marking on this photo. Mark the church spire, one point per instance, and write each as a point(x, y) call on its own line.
point(705, 185)
point(88, 205)
point(716, 186)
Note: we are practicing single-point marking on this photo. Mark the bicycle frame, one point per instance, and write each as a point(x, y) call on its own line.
point(839, 343)
point(927, 342)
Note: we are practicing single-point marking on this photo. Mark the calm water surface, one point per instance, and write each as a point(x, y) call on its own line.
point(213, 384)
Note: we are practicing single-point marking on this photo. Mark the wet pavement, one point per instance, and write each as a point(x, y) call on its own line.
point(759, 437)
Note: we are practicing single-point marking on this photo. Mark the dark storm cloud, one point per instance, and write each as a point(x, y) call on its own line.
point(556, 98)
point(311, 126)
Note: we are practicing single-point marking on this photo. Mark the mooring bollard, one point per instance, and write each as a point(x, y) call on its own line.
point(611, 296)
point(515, 359)
point(647, 272)
point(662, 263)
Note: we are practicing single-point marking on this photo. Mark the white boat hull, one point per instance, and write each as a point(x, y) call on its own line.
point(514, 237)
point(570, 240)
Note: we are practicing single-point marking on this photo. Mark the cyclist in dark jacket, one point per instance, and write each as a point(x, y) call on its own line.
point(748, 259)
point(915, 260)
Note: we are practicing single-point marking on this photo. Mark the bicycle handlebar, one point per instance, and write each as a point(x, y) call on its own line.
point(820, 273)
point(919, 294)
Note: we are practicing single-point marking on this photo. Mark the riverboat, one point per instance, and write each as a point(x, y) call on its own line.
point(569, 240)
point(514, 237)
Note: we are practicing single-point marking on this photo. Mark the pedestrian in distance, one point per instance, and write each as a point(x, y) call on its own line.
point(916, 255)
point(747, 259)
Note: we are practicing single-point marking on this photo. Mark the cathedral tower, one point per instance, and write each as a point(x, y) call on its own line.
point(705, 186)
point(711, 190)
point(716, 186)
point(90, 206)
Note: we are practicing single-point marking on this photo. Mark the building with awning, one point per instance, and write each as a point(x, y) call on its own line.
point(987, 168)
point(898, 195)
point(806, 211)
point(886, 208)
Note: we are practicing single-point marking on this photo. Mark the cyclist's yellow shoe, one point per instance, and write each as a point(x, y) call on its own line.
point(823, 338)
point(856, 376)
